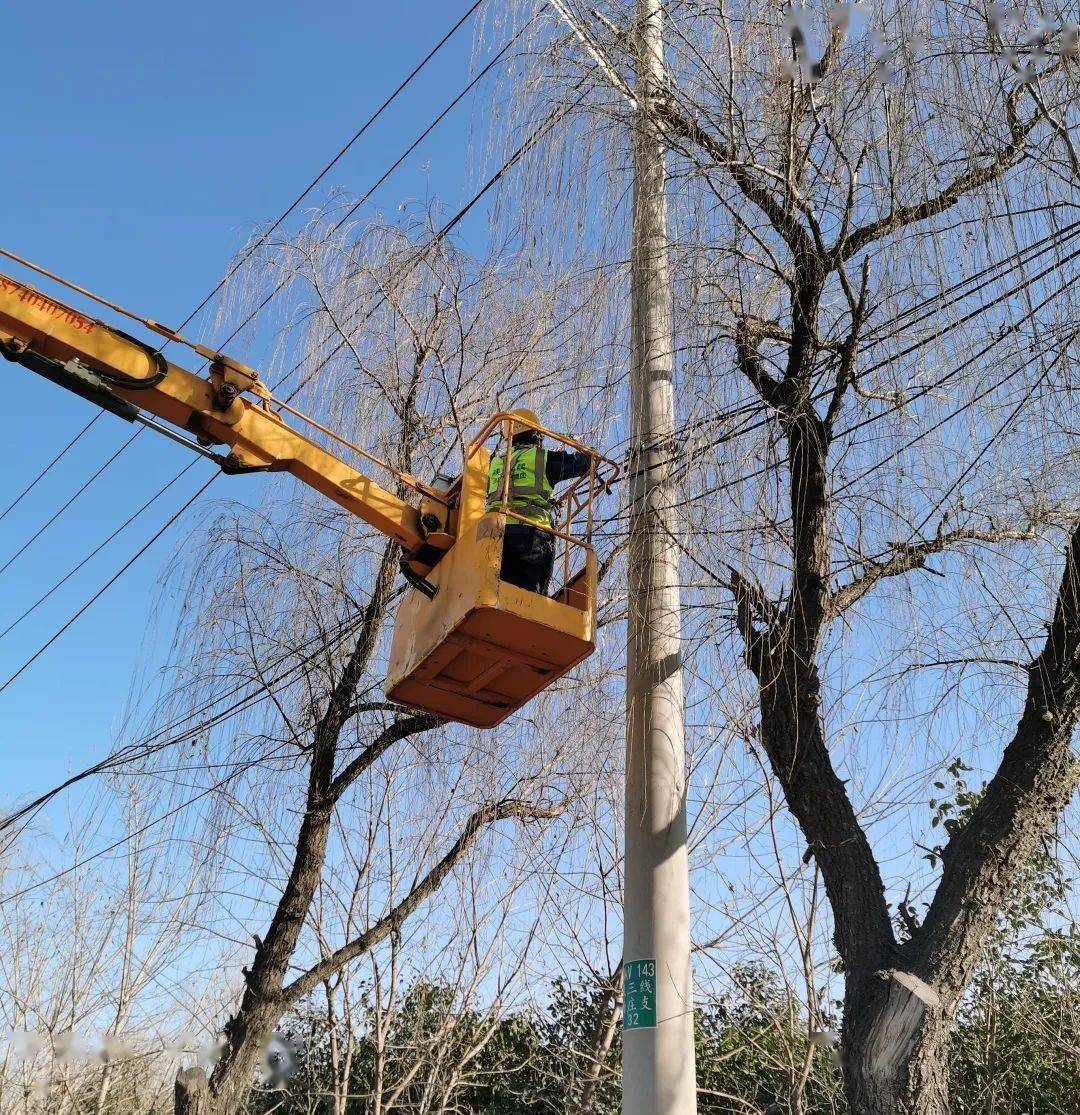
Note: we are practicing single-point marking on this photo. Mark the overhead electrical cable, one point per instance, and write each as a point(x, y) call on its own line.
point(261, 240)
point(242, 768)
point(71, 499)
point(160, 738)
point(530, 142)
point(445, 231)
point(97, 549)
point(370, 191)
point(871, 420)
point(108, 584)
point(48, 468)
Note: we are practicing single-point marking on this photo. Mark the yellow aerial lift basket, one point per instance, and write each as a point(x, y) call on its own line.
point(480, 648)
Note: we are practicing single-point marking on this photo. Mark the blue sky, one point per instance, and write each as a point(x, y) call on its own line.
point(143, 143)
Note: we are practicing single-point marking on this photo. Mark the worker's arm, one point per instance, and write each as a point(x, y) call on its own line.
point(563, 465)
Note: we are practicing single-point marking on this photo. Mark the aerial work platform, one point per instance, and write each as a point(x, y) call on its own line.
point(481, 648)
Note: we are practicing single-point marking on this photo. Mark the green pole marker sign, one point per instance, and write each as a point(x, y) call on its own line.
point(639, 995)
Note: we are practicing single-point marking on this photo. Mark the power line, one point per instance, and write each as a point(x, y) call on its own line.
point(241, 769)
point(412, 75)
point(48, 468)
point(336, 159)
point(71, 499)
point(758, 408)
point(97, 549)
point(534, 137)
point(366, 196)
point(108, 584)
point(894, 407)
point(159, 739)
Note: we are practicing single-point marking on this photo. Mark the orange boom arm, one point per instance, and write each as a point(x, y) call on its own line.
point(230, 407)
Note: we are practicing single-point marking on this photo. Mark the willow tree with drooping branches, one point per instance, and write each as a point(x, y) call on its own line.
point(317, 787)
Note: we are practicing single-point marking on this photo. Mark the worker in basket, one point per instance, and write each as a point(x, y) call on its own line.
point(529, 552)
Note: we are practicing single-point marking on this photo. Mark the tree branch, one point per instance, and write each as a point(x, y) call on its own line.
point(500, 811)
point(911, 556)
point(971, 179)
point(1038, 776)
point(401, 728)
point(673, 122)
point(749, 333)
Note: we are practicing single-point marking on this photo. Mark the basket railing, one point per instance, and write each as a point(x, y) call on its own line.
point(574, 510)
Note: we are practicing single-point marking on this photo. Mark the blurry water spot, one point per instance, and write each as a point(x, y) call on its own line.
point(209, 1055)
point(68, 1046)
point(1069, 46)
point(884, 58)
point(113, 1048)
point(805, 67)
point(851, 19)
point(1002, 19)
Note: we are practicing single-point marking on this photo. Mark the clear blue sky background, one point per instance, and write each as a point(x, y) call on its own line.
point(142, 143)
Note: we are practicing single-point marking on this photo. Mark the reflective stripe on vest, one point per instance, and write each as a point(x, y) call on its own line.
point(529, 493)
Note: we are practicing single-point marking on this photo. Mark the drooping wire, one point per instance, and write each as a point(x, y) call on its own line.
point(70, 500)
point(84, 608)
point(370, 191)
point(261, 240)
point(97, 549)
point(459, 216)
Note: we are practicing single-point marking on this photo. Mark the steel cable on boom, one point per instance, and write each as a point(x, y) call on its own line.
point(365, 197)
point(127, 756)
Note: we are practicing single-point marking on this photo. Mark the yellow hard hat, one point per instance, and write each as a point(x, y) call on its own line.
point(530, 420)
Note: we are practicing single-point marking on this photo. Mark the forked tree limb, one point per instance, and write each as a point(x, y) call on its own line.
point(1038, 775)
point(914, 555)
point(512, 808)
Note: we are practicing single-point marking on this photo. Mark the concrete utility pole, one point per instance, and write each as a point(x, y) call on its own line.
point(658, 1021)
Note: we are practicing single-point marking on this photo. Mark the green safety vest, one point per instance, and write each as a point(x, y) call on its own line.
point(529, 493)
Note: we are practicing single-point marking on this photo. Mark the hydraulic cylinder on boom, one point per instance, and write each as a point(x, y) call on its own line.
point(466, 645)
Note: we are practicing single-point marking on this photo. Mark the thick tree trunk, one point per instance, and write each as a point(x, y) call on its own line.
point(895, 1049)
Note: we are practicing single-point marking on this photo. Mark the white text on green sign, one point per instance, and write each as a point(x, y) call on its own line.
point(639, 995)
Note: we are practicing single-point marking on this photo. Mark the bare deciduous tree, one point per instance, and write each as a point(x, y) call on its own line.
point(407, 344)
point(877, 336)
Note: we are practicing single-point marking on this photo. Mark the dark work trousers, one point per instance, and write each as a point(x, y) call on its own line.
point(528, 555)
